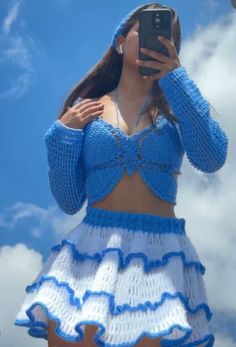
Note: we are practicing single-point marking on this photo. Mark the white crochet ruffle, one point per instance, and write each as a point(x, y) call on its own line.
point(127, 283)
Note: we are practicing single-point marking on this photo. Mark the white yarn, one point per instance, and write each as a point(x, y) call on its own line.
point(130, 285)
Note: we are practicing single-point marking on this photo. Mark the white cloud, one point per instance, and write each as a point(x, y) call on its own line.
point(19, 265)
point(208, 201)
point(209, 57)
point(223, 340)
point(17, 53)
point(18, 86)
point(211, 5)
point(46, 218)
point(11, 17)
point(17, 50)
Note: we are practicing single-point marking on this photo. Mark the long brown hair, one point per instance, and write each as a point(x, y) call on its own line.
point(105, 75)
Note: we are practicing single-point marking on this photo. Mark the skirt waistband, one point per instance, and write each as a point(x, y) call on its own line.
point(133, 220)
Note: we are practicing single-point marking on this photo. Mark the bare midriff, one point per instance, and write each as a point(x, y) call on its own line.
point(131, 194)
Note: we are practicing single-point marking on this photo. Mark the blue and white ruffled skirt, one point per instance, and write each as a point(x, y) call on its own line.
point(131, 274)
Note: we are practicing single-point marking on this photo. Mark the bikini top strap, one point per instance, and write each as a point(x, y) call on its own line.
point(139, 113)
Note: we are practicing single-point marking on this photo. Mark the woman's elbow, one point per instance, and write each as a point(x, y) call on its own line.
point(212, 162)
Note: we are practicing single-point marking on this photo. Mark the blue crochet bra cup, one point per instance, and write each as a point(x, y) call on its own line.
point(142, 152)
point(88, 163)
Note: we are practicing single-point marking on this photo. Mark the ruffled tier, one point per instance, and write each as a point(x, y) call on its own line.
point(153, 248)
point(129, 284)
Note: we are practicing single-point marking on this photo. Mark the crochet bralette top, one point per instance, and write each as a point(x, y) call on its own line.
point(88, 163)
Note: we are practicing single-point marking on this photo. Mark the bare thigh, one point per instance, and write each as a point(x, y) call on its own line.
point(148, 342)
point(55, 341)
point(90, 331)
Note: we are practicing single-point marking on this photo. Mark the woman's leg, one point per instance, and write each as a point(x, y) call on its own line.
point(148, 342)
point(55, 341)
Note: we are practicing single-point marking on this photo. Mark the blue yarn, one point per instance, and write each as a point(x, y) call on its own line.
point(38, 329)
point(121, 26)
point(87, 163)
point(116, 310)
point(124, 261)
point(134, 221)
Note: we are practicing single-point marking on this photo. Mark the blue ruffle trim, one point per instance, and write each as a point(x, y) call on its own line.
point(124, 261)
point(39, 329)
point(118, 309)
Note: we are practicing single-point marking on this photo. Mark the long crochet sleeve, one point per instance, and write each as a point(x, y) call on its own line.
point(204, 140)
point(66, 176)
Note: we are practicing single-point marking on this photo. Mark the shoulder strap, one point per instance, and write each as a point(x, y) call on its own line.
point(77, 100)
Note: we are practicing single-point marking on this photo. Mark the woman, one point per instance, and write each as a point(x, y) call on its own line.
point(127, 274)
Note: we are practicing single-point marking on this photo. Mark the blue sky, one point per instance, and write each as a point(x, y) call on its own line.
point(46, 48)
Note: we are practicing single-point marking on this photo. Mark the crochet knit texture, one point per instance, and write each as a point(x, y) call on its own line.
point(88, 163)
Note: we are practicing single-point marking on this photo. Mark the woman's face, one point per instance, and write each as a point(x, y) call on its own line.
point(130, 45)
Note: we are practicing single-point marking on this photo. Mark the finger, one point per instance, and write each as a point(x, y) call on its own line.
point(79, 100)
point(155, 76)
point(169, 44)
point(150, 63)
point(87, 109)
point(89, 116)
point(154, 54)
point(85, 102)
point(96, 114)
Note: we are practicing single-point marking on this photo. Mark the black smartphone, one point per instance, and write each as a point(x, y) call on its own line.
point(153, 22)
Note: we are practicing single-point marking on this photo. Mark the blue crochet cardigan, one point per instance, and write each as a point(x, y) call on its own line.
point(88, 163)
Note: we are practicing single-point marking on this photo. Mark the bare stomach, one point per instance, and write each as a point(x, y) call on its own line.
point(131, 194)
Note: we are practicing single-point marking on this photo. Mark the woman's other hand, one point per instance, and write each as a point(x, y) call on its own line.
point(83, 112)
